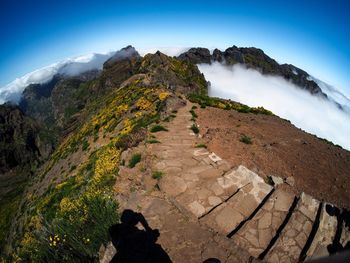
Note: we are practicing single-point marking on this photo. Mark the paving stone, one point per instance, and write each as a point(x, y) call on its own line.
point(172, 171)
point(214, 200)
point(196, 208)
point(283, 201)
point(264, 224)
point(200, 152)
point(217, 189)
point(292, 241)
point(210, 173)
point(172, 185)
point(277, 180)
point(241, 206)
point(198, 169)
point(214, 157)
point(265, 221)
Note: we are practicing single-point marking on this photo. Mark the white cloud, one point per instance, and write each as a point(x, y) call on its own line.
point(71, 67)
point(310, 113)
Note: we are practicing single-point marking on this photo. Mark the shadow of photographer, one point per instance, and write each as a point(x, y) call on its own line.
point(133, 244)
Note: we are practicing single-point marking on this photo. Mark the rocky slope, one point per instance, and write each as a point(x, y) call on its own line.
point(254, 58)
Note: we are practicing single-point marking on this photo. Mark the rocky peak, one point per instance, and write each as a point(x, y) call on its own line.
point(197, 55)
point(127, 53)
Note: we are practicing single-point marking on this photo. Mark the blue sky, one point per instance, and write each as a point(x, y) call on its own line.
point(313, 35)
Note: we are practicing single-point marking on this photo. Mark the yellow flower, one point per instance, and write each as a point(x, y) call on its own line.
point(143, 103)
point(127, 127)
point(163, 95)
point(107, 163)
point(138, 114)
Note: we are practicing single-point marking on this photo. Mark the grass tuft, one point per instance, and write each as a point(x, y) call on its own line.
point(246, 139)
point(194, 128)
point(151, 141)
point(157, 175)
point(135, 159)
point(158, 128)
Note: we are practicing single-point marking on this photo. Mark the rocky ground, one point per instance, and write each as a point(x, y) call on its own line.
point(207, 205)
point(280, 149)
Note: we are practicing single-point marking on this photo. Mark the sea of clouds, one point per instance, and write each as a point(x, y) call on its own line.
point(310, 113)
point(72, 67)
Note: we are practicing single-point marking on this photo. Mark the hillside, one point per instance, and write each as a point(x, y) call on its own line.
point(141, 134)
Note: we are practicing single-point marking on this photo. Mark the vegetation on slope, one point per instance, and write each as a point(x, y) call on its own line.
point(68, 221)
point(205, 101)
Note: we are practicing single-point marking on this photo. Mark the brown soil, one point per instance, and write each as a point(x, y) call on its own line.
point(279, 148)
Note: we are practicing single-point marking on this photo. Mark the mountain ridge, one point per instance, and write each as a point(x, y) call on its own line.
point(254, 58)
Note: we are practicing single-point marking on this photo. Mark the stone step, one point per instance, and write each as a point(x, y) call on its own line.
point(250, 192)
point(258, 232)
point(203, 193)
point(325, 233)
point(294, 236)
point(345, 233)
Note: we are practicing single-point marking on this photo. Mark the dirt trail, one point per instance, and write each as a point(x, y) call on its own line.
point(205, 208)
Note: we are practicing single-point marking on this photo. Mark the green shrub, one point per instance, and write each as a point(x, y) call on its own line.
point(136, 158)
point(157, 175)
point(246, 139)
point(205, 101)
point(194, 128)
point(201, 145)
point(157, 128)
point(194, 115)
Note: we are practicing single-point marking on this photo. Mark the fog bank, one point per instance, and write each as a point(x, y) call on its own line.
point(70, 67)
point(310, 113)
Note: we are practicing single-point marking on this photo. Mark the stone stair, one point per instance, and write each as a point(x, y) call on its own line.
point(271, 223)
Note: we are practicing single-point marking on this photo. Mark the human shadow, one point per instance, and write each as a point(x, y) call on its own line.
point(133, 244)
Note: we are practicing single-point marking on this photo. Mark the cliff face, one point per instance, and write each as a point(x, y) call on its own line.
point(254, 58)
point(19, 138)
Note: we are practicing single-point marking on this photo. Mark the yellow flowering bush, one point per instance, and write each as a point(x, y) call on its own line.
point(127, 127)
point(143, 104)
point(163, 95)
point(107, 162)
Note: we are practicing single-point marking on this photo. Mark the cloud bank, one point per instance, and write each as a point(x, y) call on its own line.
point(310, 113)
point(71, 67)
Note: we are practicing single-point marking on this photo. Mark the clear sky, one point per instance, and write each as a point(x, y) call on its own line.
point(313, 35)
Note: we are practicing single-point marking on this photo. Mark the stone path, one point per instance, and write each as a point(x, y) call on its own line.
point(206, 208)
